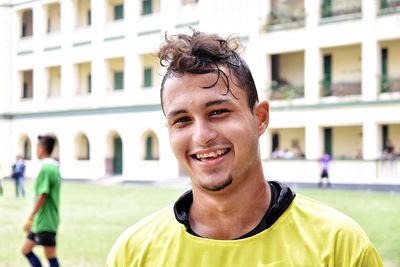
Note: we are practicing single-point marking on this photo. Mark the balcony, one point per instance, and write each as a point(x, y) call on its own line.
point(282, 19)
point(390, 85)
point(340, 89)
point(282, 91)
point(338, 10)
point(389, 7)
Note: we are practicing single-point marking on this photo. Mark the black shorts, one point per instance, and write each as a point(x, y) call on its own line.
point(47, 239)
point(324, 174)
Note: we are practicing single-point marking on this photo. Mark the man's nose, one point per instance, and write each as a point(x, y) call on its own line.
point(204, 133)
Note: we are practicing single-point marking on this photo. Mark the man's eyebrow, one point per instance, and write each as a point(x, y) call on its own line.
point(208, 104)
point(217, 102)
point(176, 112)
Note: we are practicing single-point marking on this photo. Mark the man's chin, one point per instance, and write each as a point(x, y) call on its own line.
point(217, 187)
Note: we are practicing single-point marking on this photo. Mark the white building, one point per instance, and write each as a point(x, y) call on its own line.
point(86, 71)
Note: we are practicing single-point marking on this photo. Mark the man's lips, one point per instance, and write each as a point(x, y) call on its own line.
point(210, 155)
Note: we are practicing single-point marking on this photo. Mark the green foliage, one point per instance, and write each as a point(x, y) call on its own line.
point(93, 216)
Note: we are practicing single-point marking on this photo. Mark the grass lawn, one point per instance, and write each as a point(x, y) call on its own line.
point(94, 215)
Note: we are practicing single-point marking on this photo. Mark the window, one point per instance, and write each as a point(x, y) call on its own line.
point(118, 12)
point(149, 148)
point(148, 79)
point(118, 80)
point(385, 136)
point(83, 148)
point(27, 84)
point(328, 141)
point(147, 7)
point(27, 23)
point(89, 17)
point(326, 8)
point(327, 82)
point(384, 70)
point(89, 83)
point(27, 152)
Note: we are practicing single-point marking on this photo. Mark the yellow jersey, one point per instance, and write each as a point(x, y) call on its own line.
point(308, 233)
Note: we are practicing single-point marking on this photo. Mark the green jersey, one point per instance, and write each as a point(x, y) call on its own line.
point(48, 182)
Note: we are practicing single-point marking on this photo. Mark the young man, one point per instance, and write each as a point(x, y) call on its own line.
point(43, 221)
point(18, 174)
point(232, 216)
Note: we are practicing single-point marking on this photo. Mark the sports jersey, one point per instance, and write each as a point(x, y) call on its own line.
point(47, 182)
point(307, 233)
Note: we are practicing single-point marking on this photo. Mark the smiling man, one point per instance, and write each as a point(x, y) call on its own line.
point(232, 216)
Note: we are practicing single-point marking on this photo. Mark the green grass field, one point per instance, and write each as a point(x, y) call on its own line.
point(94, 215)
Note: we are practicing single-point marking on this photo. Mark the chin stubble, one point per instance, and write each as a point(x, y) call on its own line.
point(219, 187)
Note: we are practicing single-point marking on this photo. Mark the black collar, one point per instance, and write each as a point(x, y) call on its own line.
point(281, 197)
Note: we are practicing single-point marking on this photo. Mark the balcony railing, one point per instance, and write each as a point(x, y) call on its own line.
point(389, 6)
point(390, 85)
point(285, 91)
point(341, 88)
point(285, 19)
point(342, 8)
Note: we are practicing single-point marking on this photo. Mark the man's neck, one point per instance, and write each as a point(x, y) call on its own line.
point(231, 214)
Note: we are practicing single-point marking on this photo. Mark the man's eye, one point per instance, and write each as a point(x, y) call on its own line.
point(218, 112)
point(181, 120)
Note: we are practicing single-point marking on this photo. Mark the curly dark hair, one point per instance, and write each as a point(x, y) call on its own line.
point(203, 53)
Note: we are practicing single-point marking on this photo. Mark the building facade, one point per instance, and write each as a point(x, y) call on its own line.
point(87, 72)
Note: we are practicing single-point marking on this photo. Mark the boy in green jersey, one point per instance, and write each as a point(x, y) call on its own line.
point(43, 221)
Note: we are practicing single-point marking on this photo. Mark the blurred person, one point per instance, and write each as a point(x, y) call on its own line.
point(288, 154)
point(232, 216)
point(43, 221)
point(18, 174)
point(277, 153)
point(325, 160)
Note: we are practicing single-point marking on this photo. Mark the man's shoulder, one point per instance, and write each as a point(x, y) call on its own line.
point(157, 222)
point(147, 230)
point(326, 219)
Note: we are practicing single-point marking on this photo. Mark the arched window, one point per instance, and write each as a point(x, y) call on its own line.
point(26, 149)
point(82, 148)
point(151, 147)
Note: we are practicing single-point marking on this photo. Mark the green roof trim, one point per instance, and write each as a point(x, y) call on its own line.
point(46, 49)
point(114, 38)
point(334, 105)
point(81, 43)
point(27, 52)
point(81, 112)
point(149, 32)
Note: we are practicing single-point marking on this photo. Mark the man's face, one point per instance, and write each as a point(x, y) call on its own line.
point(39, 150)
point(213, 134)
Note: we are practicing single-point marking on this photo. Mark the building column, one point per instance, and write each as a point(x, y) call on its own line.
point(39, 73)
point(98, 146)
point(370, 139)
point(168, 162)
point(67, 74)
point(313, 142)
point(256, 63)
point(132, 64)
point(369, 53)
point(168, 13)
point(266, 145)
point(312, 58)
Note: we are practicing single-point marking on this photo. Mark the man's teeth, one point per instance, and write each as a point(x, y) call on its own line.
point(212, 154)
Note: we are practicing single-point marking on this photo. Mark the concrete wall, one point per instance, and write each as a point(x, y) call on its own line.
point(346, 63)
point(347, 141)
point(292, 68)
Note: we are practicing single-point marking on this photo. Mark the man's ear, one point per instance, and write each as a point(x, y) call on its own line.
point(262, 112)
